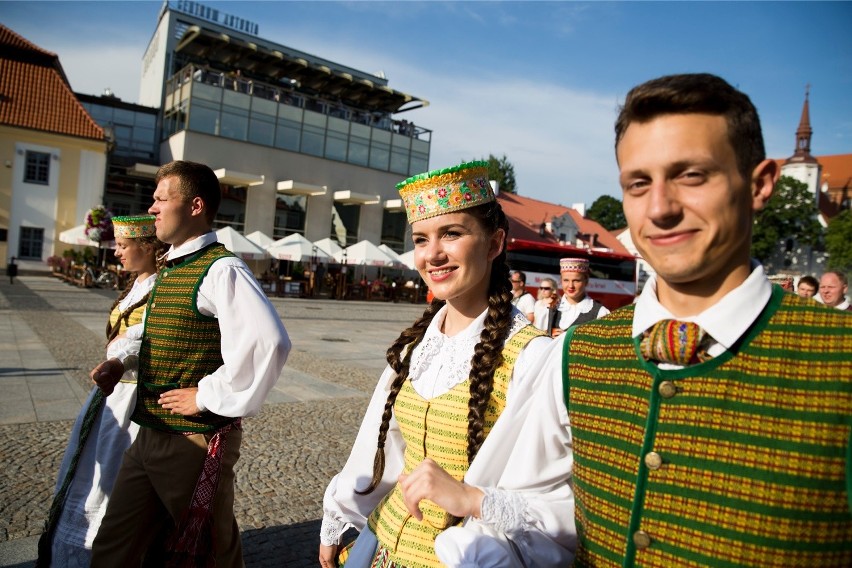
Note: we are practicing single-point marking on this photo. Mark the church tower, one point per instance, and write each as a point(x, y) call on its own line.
point(802, 165)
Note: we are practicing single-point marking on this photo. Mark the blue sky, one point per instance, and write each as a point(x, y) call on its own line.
point(537, 81)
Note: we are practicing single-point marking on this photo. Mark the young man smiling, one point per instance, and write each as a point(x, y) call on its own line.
point(710, 421)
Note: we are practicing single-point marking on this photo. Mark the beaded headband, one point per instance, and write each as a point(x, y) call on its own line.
point(439, 192)
point(134, 226)
point(573, 265)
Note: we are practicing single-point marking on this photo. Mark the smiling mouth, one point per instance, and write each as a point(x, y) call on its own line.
point(440, 272)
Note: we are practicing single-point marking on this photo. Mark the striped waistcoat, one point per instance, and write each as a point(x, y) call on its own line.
point(743, 460)
point(180, 346)
point(437, 429)
point(135, 317)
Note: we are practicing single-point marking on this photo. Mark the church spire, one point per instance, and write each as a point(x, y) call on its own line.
point(803, 135)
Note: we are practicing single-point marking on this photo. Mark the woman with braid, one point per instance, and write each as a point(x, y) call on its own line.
point(439, 473)
point(103, 429)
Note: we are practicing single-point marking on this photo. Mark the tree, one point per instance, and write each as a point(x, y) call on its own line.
point(838, 242)
point(503, 172)
point(788, 219)
point(607, 211)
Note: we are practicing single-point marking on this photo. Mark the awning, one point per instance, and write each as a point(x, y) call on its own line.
point(238, 179)
point(347, 197)
point(292, 187)
point(395, 205)
point(143, 170)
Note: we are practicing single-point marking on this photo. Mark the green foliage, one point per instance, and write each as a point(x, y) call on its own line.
point(502, 171)
point(607, 211)
point(838, 242)
point(790, 214)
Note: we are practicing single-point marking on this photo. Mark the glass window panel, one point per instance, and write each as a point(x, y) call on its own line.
point(261, 132)
point(315, 119)
point(206, 93)
point(123, 116)
point(399, 161)
point(394, 224)
point(401, 142)
point(290, 113)
point(335, 146)
point(234, 126)
point(359, 152)
point(290, 215)
point(338, 125)
point(381, 136)
point(379, 154)
point(30, 240)
point(37, 169)
point(202, 119)
point(287, 135)
point(263, 106)
point(146, 120)
point(419, 163)
point(313, 140)
point(236, 99)
point(360, 131)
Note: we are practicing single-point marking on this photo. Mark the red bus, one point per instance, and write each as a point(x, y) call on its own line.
point(612, 276)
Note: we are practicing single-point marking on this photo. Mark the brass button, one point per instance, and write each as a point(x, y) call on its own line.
point(165, 273)
point(642, 540)
point(153, 304)
point(667, 389)
point(653, 460)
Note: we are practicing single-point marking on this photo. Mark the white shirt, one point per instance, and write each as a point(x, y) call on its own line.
point(255, 344)
point(569, 312)
point(528, 506)
point(525, 303)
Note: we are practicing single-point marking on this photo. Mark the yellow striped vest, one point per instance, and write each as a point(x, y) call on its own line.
point(743, 460)
point(437, 429)
point(180, 345)
point(134, 318)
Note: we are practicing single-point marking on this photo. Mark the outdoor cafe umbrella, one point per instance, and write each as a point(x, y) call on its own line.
point(296, 248)
point(365, 253)
point(392, 254)
point(77, 236)
point(407, 258)
point(260, 238)
point(239, 245)
point(328, 246)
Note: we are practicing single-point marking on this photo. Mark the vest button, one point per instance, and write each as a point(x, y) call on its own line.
point(667, 389)
point(653, 460)
point(165, 273)
point(153, 304)
point(642, 540)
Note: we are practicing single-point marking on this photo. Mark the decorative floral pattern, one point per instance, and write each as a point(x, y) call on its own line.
point(134, 226)
point(99, 224)
point(445, 191)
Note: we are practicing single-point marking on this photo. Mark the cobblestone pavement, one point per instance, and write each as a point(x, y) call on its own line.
point(290, 450)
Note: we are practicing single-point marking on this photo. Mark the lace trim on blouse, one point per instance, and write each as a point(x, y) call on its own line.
point(454, 353)
point(331, 531)
point(505, 511)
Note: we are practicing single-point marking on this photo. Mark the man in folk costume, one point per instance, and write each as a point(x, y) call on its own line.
point(212, 348)
point(576, 306)
point(710, 421)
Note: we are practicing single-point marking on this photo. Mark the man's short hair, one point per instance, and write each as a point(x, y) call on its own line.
point(698, 93)
point(195, 180)
point(809, 280)
point(521, 275)
point(840, 276)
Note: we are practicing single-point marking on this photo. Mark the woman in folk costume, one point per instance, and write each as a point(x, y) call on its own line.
point(103, 429)
point(440, 473)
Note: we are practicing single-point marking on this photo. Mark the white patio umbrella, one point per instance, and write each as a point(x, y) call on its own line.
point(239, 245)
point(77, 236)
point(296, 248)
point(407, 258)
point(365, 253)
point(392, 254)
point(260, 238)
point(328, 246)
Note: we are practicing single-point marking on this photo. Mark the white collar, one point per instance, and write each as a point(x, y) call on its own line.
point(453, 354)
point(583, 306)
point(726, 321)
point(191, 246)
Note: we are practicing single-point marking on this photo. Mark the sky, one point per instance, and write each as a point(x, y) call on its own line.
point(538, 82)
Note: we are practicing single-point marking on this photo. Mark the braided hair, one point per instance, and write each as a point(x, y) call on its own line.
point(487, 354)
point(157, 248)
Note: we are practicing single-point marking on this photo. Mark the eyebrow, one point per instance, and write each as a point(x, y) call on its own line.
point(441, 228)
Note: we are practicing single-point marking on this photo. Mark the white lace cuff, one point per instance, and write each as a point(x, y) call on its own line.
point(505, 511)
point(331, 531)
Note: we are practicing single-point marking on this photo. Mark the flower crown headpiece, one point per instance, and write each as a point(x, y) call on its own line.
point(134, 226)
point(447, 190)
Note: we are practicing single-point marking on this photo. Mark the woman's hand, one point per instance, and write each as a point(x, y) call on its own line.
point(328, 556)
point(430, 481)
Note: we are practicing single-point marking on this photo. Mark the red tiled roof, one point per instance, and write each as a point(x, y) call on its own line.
point(837, 173)
point(526, 216)
point(34, 92)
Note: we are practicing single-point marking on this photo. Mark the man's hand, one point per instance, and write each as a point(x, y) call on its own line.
point(107, 374)
point(180, 401)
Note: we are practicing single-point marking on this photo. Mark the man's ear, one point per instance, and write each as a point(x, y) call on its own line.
point(763, 180)
point(198, 206)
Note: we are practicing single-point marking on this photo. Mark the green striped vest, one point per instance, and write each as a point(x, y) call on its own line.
point(437, 429)
point(180, 346)
point(743, 460)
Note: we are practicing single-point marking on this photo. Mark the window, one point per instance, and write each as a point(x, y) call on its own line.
point(290, 215)
point(31, 242)
point(37, 168)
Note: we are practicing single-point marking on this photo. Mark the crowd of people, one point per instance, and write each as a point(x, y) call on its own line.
point(706, 424)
